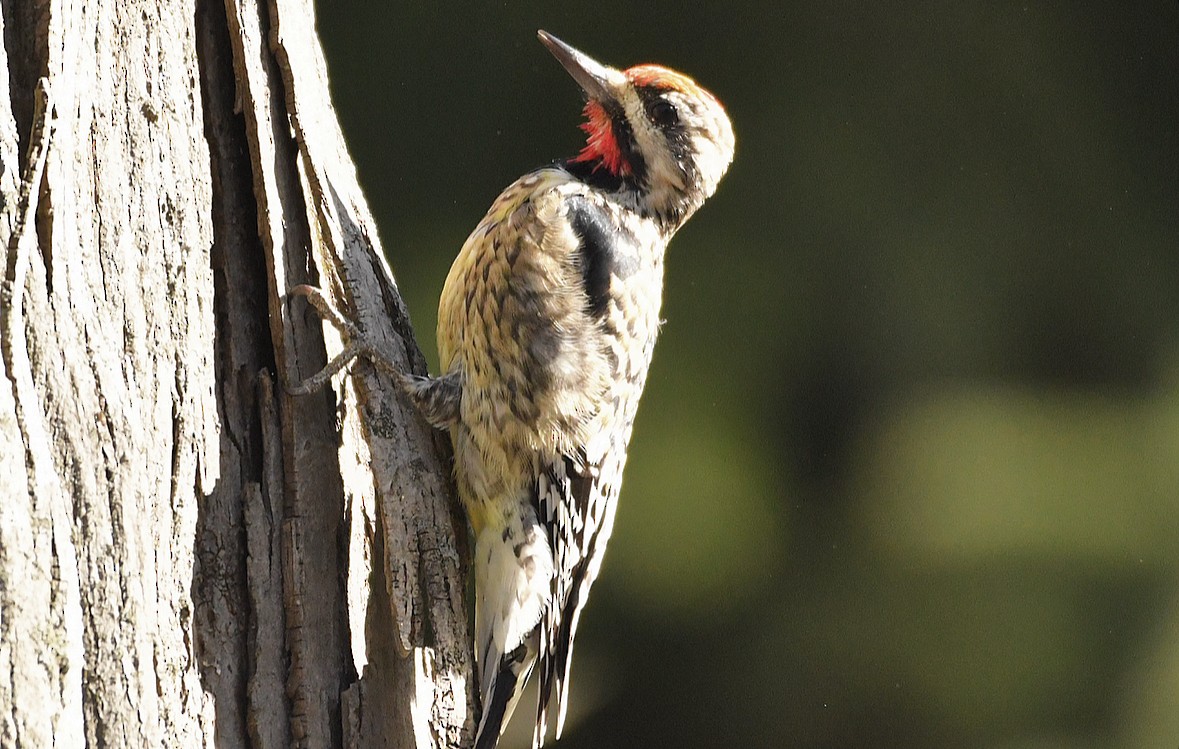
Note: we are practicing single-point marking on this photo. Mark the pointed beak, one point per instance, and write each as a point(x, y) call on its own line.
point(597, 80)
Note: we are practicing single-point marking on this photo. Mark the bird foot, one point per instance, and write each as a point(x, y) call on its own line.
point(355, 345)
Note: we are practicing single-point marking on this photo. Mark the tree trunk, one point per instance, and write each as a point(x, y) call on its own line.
point(189, 555)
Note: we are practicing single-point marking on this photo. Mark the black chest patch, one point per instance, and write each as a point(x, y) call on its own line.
point(603, 250)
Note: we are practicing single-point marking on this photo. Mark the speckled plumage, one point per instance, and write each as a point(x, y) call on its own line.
point(551, 379)
point(546, 329)
point(542, 373)
point(547, 325)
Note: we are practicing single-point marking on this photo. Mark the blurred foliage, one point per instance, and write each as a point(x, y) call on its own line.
point(905, 474)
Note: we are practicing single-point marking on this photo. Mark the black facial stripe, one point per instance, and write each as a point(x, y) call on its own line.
point(624, 136)
point(675, 132)
point(649, 95)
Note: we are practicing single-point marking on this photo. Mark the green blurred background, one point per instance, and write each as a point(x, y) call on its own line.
point(906, 471)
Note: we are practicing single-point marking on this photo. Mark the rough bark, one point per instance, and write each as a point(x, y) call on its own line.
point(188, 554)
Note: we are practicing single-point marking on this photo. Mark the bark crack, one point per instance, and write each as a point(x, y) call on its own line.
point(21, 244)
point(25, 26)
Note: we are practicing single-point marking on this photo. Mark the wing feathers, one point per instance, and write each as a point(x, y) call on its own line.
point(580, 508)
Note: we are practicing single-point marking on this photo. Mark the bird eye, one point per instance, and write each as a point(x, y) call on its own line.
point(662, 113)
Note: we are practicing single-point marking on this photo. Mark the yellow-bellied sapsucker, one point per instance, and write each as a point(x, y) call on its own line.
point(546, 328)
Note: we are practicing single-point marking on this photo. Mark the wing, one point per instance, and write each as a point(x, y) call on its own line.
point(578, 497)
point(519, 317)
point(577, 492)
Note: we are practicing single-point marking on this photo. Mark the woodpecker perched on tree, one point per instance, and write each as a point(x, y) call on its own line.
point(546, 328)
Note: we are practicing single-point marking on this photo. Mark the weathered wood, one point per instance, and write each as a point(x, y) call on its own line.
point(109, 365)
point(407, 487)
point(190, 555)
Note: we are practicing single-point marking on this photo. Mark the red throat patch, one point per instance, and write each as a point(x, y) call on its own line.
point(602, 145)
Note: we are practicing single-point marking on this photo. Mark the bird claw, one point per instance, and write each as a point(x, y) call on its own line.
point(355, 344)
point(316, 299)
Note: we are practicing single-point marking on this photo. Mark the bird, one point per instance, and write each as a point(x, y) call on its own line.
point(547, 325)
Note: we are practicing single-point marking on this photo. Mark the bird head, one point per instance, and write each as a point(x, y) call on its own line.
point(652, 130)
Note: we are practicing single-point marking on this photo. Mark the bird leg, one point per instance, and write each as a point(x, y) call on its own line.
point(355, 345)
point(436, 398)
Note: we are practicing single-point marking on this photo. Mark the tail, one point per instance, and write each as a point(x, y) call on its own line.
point(502, 693)
point(513, 580)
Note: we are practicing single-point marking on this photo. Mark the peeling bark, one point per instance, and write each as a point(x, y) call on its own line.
point(188, 554)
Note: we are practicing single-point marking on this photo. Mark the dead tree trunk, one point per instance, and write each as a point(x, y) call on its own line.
point(188, 554)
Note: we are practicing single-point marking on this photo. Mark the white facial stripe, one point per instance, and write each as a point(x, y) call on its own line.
point(679, 178)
